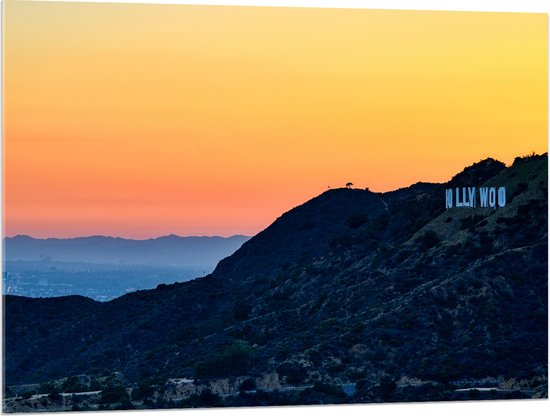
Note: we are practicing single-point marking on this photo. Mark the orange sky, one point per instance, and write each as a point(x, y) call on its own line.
point(144, 120)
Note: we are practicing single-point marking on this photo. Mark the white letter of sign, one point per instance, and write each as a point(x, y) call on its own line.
point(492, 197)
point(457, 202)
point(448, 198)
point(483, 193)
point(472, 196)
point(502, 196)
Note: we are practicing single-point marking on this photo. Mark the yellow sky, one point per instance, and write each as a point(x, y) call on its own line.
point(143, 120)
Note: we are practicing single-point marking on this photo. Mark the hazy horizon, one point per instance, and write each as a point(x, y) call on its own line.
point(126, 238)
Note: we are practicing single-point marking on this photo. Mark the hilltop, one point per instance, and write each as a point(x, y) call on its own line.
point(386, 292)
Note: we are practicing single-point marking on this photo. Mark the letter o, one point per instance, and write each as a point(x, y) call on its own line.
point(492, 197)
point(502, 196)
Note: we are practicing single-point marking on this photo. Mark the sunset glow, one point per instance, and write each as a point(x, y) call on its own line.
point(145, 120)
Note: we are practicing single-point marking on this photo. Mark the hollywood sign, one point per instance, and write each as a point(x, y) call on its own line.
point(472, 197)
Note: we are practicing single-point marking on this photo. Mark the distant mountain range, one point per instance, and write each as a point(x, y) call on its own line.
point(171, 250)
point(352, 297)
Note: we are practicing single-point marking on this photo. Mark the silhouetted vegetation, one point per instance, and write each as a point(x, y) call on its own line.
point(237, 359)
point(351, 287)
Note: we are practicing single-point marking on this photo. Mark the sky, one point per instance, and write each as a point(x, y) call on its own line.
point(146, 120)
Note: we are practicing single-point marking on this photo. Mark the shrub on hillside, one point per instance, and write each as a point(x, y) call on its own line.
point(237, 359)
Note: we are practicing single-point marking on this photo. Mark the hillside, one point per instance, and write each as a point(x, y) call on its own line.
point(387, 292)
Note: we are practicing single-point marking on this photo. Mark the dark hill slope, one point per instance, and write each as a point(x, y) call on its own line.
point(303, 233)
point(377, 284)
point(478, 173)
